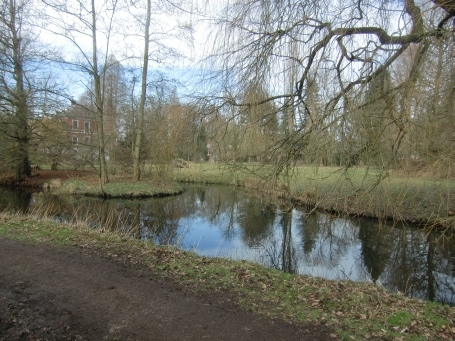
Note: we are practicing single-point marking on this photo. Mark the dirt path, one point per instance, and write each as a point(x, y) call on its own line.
point(50, 293)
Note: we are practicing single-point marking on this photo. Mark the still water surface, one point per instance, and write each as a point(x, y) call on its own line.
point(228, 222)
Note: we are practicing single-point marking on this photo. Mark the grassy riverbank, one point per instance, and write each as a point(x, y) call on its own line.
point(119, 189)
point(355, 310)
point(357, 191)
point(87, 183)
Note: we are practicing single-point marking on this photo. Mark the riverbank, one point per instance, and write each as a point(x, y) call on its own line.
point(362, 192)
point(346, 309)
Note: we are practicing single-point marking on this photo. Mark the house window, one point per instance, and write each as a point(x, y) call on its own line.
point(75, 140)
point(75, 124)
point(87, 127)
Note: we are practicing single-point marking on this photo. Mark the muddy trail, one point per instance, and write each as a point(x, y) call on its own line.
point(53, 293)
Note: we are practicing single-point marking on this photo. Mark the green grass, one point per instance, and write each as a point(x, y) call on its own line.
point(355, 310)
point(212, 173)
point(400, 318)
point(118, 189)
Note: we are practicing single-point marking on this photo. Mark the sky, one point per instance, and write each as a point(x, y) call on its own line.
point(178, 42)
point(182, 36)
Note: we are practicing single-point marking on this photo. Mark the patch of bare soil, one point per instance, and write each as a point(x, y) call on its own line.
point(51, 293)
point(41, 176)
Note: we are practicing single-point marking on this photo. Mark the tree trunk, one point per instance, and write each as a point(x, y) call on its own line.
point(98, 106)
point(22, 163)
point(140, 123)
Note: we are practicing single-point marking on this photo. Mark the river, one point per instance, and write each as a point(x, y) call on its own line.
point(222, 221)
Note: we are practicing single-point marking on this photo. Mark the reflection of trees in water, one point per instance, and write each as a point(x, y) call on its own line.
point(136, 221)
point(409, 261)
point(222, 210)
point(256, 220)
point(325, 240)
point(216, 204)
point(160, 221)
point(155, 219)
point(16, 201)
point(309, 231)
point(436, 277)
point(399, 274)
point(200, 192)
point(375, 249)
point(278, 250)
point(74, 209)
point(48, 203)
point(288, 260)
point(430, 273)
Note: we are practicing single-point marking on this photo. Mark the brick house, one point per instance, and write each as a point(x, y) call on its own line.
point(82, 131)
point(80, 126)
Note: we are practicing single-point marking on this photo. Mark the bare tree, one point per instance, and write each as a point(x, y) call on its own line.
point(14, 93)
point(82, 20)
point(157, 49)
point(25, 84)
point(140, 124)
point(98, 97)
point(343, 45)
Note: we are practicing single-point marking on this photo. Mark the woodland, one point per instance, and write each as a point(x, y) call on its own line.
point(354, 83)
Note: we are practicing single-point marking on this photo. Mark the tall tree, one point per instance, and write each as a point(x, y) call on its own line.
point(158, 48)
point(82, 21)
point(99, 109)
point(15, 90)
point(140, 123)
point(258, 119)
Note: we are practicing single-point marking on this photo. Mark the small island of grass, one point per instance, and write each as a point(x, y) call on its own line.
point(87, 183)
point(120, 189)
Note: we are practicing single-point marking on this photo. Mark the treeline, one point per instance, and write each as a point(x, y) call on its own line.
point(349, 84)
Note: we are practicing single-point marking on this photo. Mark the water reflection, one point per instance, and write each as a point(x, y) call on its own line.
point(16, 201)
point(227, 222)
